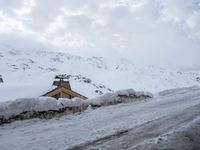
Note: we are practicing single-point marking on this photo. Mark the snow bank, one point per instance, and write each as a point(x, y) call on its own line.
point(46, 107)
point(75, 102)
point(11, 108)
point(119, 97)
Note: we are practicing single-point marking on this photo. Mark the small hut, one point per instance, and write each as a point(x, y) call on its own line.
point(63, 89)
point(1, 79)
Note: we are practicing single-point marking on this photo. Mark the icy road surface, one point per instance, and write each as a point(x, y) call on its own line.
point(168, 121)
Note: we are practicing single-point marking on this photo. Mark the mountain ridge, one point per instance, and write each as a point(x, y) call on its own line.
point(36, 70)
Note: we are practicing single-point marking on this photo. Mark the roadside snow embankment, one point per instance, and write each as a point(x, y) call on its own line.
point(119, 97)
point(45, 107)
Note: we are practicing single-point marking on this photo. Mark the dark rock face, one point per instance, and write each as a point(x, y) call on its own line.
point(99, 87)
point(99, 92)
point(1, 79)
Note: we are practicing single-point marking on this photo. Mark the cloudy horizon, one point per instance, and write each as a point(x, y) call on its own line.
point(165, 32)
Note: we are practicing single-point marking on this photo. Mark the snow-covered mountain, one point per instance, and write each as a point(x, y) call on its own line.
point(31, 73)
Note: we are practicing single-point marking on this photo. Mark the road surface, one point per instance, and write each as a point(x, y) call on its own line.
point(168, 121)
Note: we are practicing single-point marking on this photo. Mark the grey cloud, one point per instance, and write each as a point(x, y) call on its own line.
point(23, 42)
point(8, 6)
point(154, 31)
point(42, 14)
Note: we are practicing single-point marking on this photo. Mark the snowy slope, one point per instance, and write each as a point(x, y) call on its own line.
point(31, 73)
point(156, 123)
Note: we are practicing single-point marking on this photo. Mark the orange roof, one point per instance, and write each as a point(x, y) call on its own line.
point(64, 90)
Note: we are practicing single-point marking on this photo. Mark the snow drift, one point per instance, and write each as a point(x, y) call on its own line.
point(46, 107)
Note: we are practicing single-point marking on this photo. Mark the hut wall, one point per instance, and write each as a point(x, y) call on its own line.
point(64, 95)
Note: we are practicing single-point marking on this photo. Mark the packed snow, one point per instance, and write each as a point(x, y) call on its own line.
point(167, 121)
point(18, 106)
point(13, 110)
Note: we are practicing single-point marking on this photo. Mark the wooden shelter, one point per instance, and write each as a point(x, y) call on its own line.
point(63, 90)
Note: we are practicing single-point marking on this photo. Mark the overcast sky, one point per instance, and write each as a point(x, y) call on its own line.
point(146, 31)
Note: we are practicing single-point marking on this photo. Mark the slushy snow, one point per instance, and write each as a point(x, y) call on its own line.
point(168, 121)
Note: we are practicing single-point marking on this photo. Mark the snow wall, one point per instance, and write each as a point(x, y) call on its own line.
point(46, 107)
